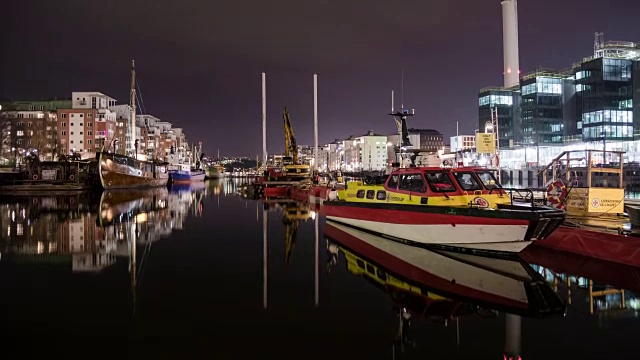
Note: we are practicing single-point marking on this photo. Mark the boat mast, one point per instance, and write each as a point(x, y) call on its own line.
point(132, 122)
point(400, 117)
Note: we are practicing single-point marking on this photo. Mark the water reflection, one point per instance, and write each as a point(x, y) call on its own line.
point(89, 231)
point(292, 213)
point(200, 260)
point(442, 286)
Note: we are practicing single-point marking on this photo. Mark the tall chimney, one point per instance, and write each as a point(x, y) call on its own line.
point(510, 42)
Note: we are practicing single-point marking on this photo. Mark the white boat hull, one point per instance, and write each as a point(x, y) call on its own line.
point(502, 238)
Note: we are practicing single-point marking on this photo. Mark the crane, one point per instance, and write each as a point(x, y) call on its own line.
point(293, 169)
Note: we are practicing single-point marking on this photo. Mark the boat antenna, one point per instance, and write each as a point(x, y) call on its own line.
point(402, 89)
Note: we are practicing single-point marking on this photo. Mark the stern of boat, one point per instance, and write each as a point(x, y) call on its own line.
point(545, 220)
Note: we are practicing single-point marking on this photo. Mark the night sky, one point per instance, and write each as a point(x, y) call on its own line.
point(199, 62)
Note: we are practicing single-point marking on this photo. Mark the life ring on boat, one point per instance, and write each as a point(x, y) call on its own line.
point(35, 176)
point(495, 161)
point(556, 193)
point(71, 177)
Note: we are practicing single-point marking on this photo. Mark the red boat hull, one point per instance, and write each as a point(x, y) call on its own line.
point(451, 227)
point(612, 247)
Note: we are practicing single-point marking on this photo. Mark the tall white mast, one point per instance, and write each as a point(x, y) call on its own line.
point(264, 118)
point(315, 121)
point(132, 121)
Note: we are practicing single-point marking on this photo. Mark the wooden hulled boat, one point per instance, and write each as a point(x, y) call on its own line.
point(127, 172)
point(450, 207)
point(122, 172)
point(433, 282)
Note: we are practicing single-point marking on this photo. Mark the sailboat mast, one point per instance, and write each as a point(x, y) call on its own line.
point(133, 106)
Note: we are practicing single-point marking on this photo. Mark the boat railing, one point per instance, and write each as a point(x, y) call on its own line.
point(562, 165)
point(521, 196)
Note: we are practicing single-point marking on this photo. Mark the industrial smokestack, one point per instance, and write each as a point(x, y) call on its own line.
point(510, 43)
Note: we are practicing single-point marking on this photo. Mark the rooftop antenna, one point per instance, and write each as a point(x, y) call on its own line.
point(598, 41)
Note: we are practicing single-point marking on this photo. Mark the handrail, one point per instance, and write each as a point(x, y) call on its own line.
point(527, 198)
point(553, 162)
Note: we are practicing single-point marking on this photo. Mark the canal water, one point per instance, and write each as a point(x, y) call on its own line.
point(183, 273)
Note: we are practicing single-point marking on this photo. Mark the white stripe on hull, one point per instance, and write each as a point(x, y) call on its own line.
point(508, 238)
point(453, 270)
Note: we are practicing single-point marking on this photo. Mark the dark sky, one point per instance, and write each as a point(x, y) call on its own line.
point(199, 62)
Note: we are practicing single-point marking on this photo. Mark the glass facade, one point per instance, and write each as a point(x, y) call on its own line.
point(599, 99)
point(605, 99)
point(542, 110)
point(505, 101)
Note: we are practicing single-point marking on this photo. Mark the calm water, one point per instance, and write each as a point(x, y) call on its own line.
point(197, 287)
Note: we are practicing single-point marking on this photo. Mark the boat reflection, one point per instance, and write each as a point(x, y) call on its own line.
point(443, 286)
point(89, 231)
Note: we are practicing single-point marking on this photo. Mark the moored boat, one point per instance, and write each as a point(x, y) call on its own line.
point(634, 214)
point(179, 173)
point(452, 207)
point(197, 175)
point(588, 184)
point(215, 172)
point(121, 172)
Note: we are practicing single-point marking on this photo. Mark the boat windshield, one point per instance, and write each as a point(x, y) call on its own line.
point(440, 182)
point(467, 181)
point(488, 180)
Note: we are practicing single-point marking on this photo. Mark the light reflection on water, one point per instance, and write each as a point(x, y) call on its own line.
point(200, 270)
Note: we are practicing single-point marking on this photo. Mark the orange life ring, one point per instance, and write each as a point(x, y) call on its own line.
point(556, 193)
point(35, 176)
point(71, 177)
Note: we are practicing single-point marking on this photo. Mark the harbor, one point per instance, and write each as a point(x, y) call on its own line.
point(420, 180)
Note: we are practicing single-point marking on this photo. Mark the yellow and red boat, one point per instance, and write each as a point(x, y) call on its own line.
point(463, 207)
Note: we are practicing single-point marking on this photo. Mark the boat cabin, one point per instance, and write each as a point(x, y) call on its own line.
point(433, 186)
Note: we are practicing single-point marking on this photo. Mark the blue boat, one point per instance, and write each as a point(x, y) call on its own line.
point(179, 173)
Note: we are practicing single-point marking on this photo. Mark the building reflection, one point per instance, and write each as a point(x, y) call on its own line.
point(89, 231)
point(589, 285)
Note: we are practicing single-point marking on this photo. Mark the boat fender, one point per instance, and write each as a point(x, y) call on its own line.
point(556, 193)
point(35, 176)
point(71, 177)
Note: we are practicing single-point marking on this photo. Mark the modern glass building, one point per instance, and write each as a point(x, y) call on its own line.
point(506, 101)
point(541, 108)
point(606, 95)
point(597, 100)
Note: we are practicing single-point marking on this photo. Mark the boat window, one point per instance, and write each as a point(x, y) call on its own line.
point(440, 182)
point(371, 194)
point(393, 181)
point(382, 195)
point(467, 181)
point(488, 180)
point(412, 182)
point(360, 194)
point(360, 263)
point(371, 269)
point(382, 275)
